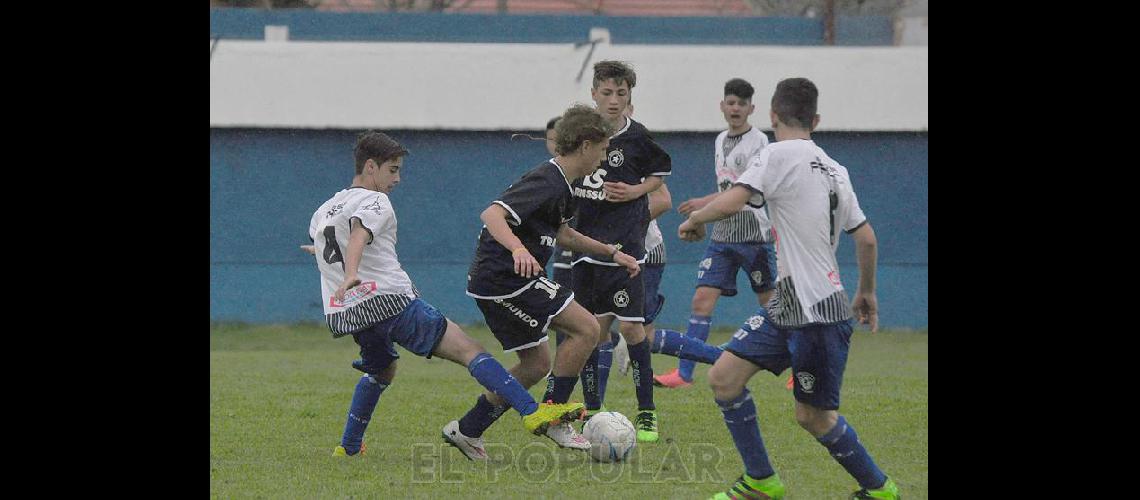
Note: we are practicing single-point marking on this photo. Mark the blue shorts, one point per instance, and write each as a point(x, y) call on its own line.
point(609, 291)
point(654, 301)
point(520, 321)
point(419, 329)
point(817, 355)
point(722, 260)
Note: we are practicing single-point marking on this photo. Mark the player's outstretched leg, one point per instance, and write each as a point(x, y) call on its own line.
point(685, 347)
point(467, 433)
point(457, 346)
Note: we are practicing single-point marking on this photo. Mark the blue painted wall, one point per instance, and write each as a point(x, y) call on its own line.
point(265, 184)
point(308, 25)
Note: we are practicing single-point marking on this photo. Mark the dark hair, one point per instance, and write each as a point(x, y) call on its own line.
point(580, 123)
point(739, 87)
point(795, 102)
point(376, 146)
point(550, 124)
point(619, 71)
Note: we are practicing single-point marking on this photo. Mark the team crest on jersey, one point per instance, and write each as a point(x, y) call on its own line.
point(755, 322)
point(807, 382)
point(616, 158)
point(757, 277)
point(375, 206)
point(739, 161)
point(621, 299)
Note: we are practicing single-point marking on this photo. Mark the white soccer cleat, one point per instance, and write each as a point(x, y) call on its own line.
point(565, 436)
point(621, 356)
point(472, 448)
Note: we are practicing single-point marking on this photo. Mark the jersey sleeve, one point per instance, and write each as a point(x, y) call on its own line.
point(525, 197)
point(761, 143)
point(855, 216)
point(658, 161)
point(375, 213)
point(755, 178)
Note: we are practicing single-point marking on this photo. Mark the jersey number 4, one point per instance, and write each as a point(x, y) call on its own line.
point(332, 253)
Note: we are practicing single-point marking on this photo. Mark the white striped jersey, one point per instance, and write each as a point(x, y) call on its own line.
point(810, 198)
point(385, 289)
point(654, 244)
point(732, 155)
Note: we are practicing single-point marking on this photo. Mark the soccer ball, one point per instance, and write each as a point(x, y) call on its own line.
point(611, 435)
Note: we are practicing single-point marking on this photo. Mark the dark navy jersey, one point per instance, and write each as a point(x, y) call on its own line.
point(631, 157)
point(537, 205)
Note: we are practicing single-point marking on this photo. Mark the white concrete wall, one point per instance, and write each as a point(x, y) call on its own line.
point(519, 86)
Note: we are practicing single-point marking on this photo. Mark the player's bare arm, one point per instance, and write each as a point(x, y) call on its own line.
point(619, 191)
point(495, 218)
point(660, 201)
point(310, 249)
point(865, 306)
point(357, 238)
point(693, 204)
point(728, 203)
point(572, 240)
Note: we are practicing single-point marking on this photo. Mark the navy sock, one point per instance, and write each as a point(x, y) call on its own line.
point(558, 338)
point(605, 361)
point(740, 417)
point(590, 381)
point(558, 389)
point(364, 400)
point(698, 329)
point(498, 380)
point(639, 364)
point(687, 348)
point(844, 446)
point(615, 337)
point(480, 417)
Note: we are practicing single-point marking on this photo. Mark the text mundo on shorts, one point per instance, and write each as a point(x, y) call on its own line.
point(539, 462)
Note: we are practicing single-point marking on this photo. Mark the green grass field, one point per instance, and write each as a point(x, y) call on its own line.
point(279, 395)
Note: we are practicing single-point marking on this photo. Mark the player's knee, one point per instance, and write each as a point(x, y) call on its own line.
point(387, 375)
point(724, 387)
point(815, 421)
point(634, 333)
point(704, 300)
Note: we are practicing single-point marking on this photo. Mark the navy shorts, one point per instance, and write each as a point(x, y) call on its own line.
point(817, 355)
point(654, 301)
point(520, 321)
point(722, 260)
point(419, 329)
point(609, 291)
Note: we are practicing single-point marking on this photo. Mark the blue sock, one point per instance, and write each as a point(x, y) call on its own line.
point(498, 380)
point(480, 417)
point(740, 417)
point(558, 389)
point(558, 338)
point(615, 337)
point(605, 360)
point(642, 368)
point(844, 446)
point(687, 348)
point(590, 381)
point(698, 329)
point(364, 400)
